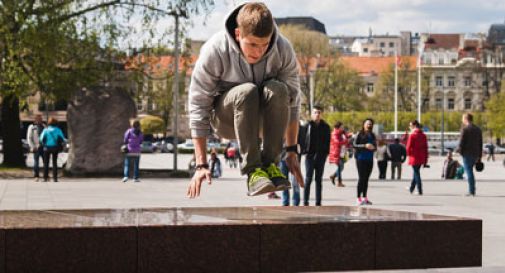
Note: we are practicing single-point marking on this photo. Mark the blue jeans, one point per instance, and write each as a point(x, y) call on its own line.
point(37, 156)
point(468, 163)
point(314, 162)
point(416, 180)
point(339, 169)
point(294, 186)
point(136, 161)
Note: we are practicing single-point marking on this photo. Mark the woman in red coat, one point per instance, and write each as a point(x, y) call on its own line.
point(417, 150)
point(338, 148)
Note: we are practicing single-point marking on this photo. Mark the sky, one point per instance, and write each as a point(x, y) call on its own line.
point(355, 17)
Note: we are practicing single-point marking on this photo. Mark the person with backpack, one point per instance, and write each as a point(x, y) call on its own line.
point(32, 136)
point(52, 140)
point(133, 138)
point(397, 154)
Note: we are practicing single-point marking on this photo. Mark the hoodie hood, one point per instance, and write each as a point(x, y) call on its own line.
point(230, 26)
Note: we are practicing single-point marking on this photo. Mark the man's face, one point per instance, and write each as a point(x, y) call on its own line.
point(464, 120)
point(316, 115)
point(252, 47)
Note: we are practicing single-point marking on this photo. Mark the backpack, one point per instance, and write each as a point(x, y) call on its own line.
point(230, 152)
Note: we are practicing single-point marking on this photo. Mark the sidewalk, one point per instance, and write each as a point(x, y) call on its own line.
point(440, 197)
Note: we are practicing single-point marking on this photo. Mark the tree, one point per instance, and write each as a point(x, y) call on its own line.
point(152, 125)
point(310, 47)
point(407, 88)
point(495, 113)
point(339, 86)
point(58, 46)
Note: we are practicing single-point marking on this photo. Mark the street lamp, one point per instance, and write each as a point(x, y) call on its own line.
point(442, 124)
point(176, 14)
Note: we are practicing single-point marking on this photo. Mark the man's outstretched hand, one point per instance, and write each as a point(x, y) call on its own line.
point(196, 182)
point(294, 167)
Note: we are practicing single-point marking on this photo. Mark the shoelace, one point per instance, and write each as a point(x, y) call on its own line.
point(273, 171)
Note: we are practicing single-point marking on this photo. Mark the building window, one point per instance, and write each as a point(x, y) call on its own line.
point(468, 81)
point(441, 60)
point(450, 81)
point(382, 44)
point(438, 103)
point(391, 44)
point(439, 81)
point(450, 104)
point(139, 107)
point(365, 50)
point(369, 87)
point(484, 83)
point(468, 104)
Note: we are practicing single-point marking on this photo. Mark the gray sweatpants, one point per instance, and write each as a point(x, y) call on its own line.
point(247, 113)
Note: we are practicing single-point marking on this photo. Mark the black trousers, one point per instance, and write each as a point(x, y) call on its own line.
point(48, 153)
point(383, 166)
point(364, 170)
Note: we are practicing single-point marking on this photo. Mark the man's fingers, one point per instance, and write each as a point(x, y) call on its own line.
point(197, 187)
point(299, 177)
point(209, 178)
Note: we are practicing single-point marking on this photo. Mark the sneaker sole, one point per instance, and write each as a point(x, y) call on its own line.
point(267, 188)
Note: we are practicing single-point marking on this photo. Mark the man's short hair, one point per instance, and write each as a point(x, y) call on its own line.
point(468, 117)
point(255, 19)
point(318, 107)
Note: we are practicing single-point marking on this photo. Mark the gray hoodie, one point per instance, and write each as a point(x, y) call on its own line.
point(222, 66)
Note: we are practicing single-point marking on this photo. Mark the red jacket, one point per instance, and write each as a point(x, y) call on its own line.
point(337, 141)
point(417, 148)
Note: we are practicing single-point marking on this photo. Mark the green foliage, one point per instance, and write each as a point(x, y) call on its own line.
point(407, 88)
point(152, 125)
point(431, 120)
point(309, 47)
point(495, 114)
point(339, 86)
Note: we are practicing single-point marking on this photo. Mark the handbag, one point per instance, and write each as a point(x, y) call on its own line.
point(124, 148)
point(479, 166)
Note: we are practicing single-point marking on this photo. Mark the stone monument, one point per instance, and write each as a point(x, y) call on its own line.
point(97, 120)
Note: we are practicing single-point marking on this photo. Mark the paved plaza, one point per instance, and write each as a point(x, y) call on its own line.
point(440, 196)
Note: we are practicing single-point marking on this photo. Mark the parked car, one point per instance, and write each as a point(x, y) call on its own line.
point(147, 147)
point(163, 146)
point(187, 145)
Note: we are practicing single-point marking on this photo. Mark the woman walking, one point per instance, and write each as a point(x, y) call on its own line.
point(417, 150)
point(338, 144)
point(133, 138)
point(365, 144)
point(52, 140)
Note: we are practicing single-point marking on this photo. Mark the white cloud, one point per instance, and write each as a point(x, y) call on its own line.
point(354, 17)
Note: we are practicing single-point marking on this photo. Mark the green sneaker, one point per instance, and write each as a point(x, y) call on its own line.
point(280, 181)
point(258, 183)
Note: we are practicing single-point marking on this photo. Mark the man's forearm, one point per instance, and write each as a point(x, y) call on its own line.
point(292, 133)
point(200, 149)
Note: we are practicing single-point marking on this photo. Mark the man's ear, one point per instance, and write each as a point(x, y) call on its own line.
point(237, 34)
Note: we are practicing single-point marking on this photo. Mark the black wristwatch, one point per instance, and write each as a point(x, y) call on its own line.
point(202, 166)
point(293, 148)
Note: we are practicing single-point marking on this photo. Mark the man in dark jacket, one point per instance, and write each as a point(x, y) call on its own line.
point(316, 148)
point(397, 154)
point(470, 148)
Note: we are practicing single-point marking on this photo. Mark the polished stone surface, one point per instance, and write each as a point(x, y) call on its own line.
point(236, 239)
point(2, 251)
point(205, 216)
